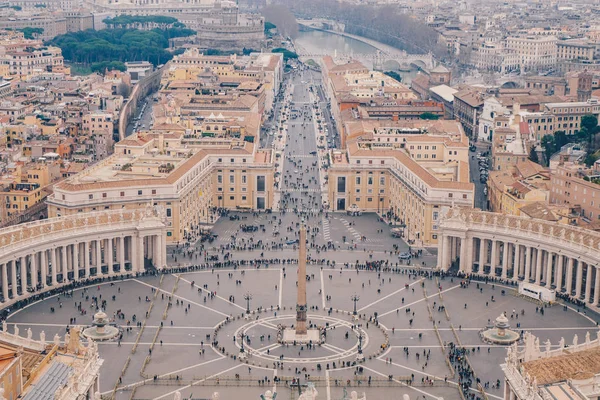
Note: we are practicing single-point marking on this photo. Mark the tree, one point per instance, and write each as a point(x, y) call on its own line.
point(31, 33)
point(533, 156)
point(124, 90)
point(548, 145)
point(394, 75)
point(429, 116)
point(560, 139)
point(286, 53)
point(269, 26)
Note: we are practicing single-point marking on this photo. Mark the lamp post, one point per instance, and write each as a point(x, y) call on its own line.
point(247, 297)
point(355, 298)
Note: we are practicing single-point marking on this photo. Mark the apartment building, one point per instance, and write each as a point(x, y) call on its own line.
point(535, 52)
point(187, 179)
point(510, 191)
point(407, 170)
point(468, 104)
point(574, 185)
point(567, 116)
point(574, 49)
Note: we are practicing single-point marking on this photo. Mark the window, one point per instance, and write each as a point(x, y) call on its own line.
point(153, 191)
point(139, 192)
point(231, 179)
point(231, 197)
point(169, 233)
point(358, 180)
point(244, 179)
point(382, 181)
point(219, 178)
point(260, 183)
point(122, 194)
point(449, 194)
point(464, 196)
point(91, 196)
point(168, 212)
point(341, 184)
point(370, 180)
point(243, 198)
point(369, 199)
point(104, 195)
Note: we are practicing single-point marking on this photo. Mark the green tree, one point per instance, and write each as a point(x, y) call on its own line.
point(269, 26)
point(548, 144)
point(31, 33)
point(533, 155)
point(287, 54)
point(394, 75)
point(429, 116)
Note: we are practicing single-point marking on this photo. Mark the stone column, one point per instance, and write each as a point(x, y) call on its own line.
point(44, 267)
point(579, 279)
point(54, 266)
point(140, 254)
point(13, 271)
point(64, 264)
point(5, 282)
point(447, 253)
point(527, 264)
point(538, 265)
point(588, 284)
point(24, 275)
point(517, 265)
point(493, 261)
point(122, 253)
point(34, 270)
point(482, 253)
point(441, 252)
point(463, 254)
point(505, 260)
point(470, 245)
point(549, 271)
point(76, 261)
point(559, 272)
point(86, 258)
point(99, 257)
point(109, 256)
point(569, 288)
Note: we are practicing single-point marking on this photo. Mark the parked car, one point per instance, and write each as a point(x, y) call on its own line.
point(291, 241)
point(405, 256)
point(353, 210)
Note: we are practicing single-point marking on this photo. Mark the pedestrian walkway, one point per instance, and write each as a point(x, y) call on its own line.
point(301, 190)
point(326, 229)
point(350, 228)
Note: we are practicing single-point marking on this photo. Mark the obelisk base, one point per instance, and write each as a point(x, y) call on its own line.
point(289, 336)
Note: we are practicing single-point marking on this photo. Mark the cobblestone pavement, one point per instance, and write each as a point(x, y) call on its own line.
point(184, 358)
point(185, 323)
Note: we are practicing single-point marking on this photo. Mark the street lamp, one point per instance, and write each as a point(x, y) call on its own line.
point(247, 297)
point(355, 298)
point(360, 340)
point(242, 337)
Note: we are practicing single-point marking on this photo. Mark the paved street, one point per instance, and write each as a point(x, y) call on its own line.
point(183, 331)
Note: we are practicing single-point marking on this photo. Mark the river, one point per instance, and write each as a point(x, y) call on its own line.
point(319, 41)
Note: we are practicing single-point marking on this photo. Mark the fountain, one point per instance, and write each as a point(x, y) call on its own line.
point(500, 333)
point(100, 329)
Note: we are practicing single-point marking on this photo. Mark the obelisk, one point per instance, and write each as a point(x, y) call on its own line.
point(301, 303)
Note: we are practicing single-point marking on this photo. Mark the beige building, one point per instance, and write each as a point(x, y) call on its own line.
point(536, 53)
point(576, 186)
point(567, 116)
point(408, 170)
point(574, 50)
point(186, 178)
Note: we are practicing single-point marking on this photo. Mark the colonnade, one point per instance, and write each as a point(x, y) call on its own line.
point(42, 255)
point(552, 255)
